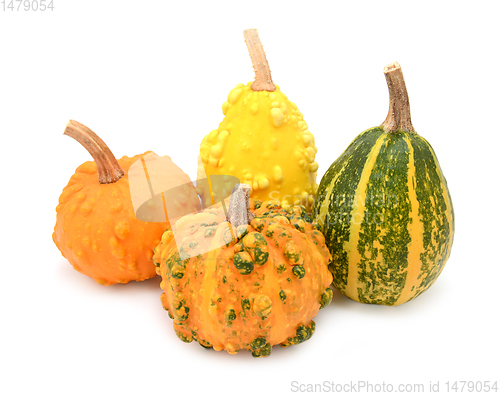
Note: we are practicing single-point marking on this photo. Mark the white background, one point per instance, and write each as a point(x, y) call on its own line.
point(152, 75)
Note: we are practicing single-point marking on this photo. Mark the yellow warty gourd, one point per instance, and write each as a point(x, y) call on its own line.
point(263, 140)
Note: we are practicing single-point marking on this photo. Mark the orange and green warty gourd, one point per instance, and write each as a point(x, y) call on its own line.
point(263, 140)
point(96, 229)
point(251, 280)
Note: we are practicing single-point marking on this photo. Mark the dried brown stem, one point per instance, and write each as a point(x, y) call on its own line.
point(263, 80)
point(239, 206)
point(107, 166)
point(399, 117)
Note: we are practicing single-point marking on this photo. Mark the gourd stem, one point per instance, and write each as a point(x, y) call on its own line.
point(399, 117)
point(263, 80)
point(107, 166)
point(239, 212)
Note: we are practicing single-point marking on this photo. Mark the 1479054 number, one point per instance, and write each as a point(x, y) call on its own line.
point(472, 386)
point(27, 5)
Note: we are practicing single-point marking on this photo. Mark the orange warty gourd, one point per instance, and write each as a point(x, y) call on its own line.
point(96, 229)
point(249, 281)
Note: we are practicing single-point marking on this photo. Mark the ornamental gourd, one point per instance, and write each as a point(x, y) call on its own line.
point(233, 285)
point(385, 209)
point(263, 140)
point(96, 229)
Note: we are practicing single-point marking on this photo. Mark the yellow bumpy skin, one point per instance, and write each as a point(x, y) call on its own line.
point(263, 140)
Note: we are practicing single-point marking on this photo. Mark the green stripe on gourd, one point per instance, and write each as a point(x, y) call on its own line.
point(343, 175)
point(383, 281)
point(430, 184)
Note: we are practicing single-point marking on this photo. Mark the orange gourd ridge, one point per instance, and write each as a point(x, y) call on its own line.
point(234, 285)
point(96, 228)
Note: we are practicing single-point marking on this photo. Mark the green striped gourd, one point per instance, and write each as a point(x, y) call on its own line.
point(385, 209)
